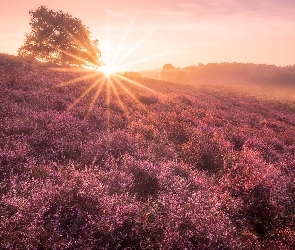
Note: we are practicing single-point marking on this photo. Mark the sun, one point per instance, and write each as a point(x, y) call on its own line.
point(109, 78)
point(107, 70)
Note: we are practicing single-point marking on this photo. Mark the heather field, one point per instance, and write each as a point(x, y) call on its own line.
point(164, 166)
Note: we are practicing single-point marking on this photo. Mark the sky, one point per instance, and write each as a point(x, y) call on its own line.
point(135, 35)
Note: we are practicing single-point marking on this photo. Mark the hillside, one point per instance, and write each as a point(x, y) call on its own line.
point(246, 73)
point(165, 166)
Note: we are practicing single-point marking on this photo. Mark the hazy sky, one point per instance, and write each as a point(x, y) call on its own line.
point(149, 33)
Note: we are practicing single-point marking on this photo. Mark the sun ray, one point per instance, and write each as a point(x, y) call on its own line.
point(113, 87)
point(137, 45)
point(134, 82)
point(94, 59)
point(124, 37)
point(80, 59)
point(81, 45)
point(128, 92)
point(108, 97)
point(108, 39)
point(83, 94)
point(105, 78)
point(73, 70)
point(78, 79)
point(144, 59)
point(94, 99)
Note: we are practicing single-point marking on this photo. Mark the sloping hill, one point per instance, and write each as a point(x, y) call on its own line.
point(165, 166)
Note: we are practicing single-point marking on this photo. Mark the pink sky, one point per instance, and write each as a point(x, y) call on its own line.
point(149, 33)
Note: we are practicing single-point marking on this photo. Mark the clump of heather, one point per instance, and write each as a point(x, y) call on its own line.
point(181, 167)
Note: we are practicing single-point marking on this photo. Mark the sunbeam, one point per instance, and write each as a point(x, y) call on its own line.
point(106, 78)
point(124, 37)
point(84, 94)
point(108, 97)
point(115, 91)
point(145, 59)
point(107, 70)
point(94, 99)
point(128, 92)
point(137, 44)
point(81, 59)
point(69, 69)
point(133, 82)
point(78, 79)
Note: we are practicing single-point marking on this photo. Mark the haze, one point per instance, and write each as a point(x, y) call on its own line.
point(147, 34)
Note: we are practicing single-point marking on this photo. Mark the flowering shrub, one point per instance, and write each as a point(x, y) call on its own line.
point(184, 167)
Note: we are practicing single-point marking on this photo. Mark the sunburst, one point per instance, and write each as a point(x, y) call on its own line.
point(107, 70)
point(107, 78)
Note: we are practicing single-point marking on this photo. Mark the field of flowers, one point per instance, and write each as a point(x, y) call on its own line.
point(179, 167)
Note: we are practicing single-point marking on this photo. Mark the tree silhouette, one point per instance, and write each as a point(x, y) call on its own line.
point(60, 38)
point(169, 73)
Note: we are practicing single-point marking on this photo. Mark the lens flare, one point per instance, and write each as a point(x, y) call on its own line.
point(107, 70)
point(105, 79)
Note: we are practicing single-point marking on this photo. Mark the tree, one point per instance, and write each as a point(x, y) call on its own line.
point(169, 73)
point(60, 38)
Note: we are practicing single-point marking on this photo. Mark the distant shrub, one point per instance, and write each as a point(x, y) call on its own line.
point(185, 100)
point(135, 76)
point(149, 132)
point(148, 100)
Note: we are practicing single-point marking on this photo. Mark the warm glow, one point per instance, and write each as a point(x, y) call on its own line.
point(107, 70)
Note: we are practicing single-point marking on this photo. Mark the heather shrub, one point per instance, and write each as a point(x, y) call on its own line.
point(204, 168)
point(184, 99)
point(13, 159)
point(113, 147)
point(263, 191)
point(177, 133)
point(98, 120)
point(149, 132)
point(148, 100)
point(196, 219)
point(7, 210)
point(63, 206)
point(259, 211)
point(203, 152)
point(68, 213)
point(238, 142)
point(56, 139)
point(117, 121)
point(126, 235)
point(116, 108)
point(120, 143)
point(210, 158)
point(145, 184)
point(117, 179)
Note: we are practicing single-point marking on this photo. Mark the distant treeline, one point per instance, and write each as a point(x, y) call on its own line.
point(227, 72)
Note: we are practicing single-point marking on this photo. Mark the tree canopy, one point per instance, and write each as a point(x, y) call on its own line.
point(169, 72)
point(60, 38)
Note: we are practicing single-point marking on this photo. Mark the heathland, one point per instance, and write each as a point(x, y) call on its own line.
point(88, 162)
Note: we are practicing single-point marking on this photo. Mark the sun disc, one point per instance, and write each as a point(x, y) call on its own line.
point(107, 70)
